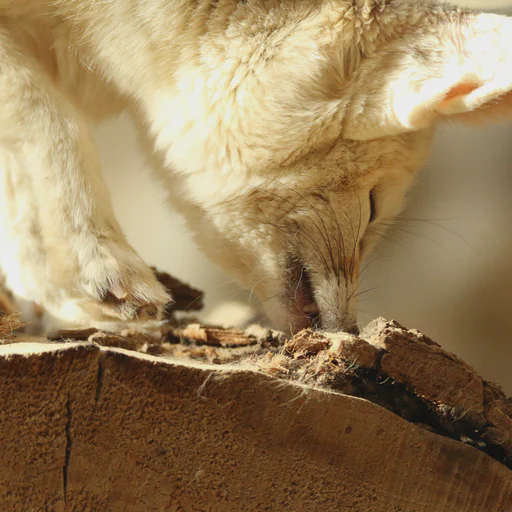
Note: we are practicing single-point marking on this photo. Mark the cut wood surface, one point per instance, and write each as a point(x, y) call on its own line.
point(101, 429)
point(399, 369)
point(189, 417)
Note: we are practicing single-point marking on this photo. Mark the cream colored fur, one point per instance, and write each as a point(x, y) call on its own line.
point(273, 119)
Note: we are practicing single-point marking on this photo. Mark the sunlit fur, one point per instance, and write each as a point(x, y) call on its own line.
point(273, 120)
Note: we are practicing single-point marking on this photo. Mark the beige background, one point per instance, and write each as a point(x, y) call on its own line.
point(451, 277)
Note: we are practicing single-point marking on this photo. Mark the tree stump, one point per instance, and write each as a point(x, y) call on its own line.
point(187, 417)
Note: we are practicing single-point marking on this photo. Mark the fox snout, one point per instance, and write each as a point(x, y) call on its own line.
point(319, 300)
point(299, 249)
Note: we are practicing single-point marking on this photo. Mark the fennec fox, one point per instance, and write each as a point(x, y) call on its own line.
point(289, 131)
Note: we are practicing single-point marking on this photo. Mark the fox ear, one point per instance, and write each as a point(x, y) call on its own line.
point(455, 65)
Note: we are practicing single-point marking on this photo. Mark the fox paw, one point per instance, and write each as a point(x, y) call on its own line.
point(118, 285)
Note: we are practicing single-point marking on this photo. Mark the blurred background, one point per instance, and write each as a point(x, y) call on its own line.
point(446, 271)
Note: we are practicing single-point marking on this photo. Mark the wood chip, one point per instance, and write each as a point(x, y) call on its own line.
point(185, 297)
point(71, 334)
point(306, 343)
point(213, 336)
point(9, 324)
point(106, 339)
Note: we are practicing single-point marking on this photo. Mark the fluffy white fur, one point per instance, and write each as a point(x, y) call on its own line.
point(273, 120)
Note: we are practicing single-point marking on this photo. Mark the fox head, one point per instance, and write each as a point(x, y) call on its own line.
point(304, 126)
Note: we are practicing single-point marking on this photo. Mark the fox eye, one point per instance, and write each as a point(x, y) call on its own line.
point(373, 207)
